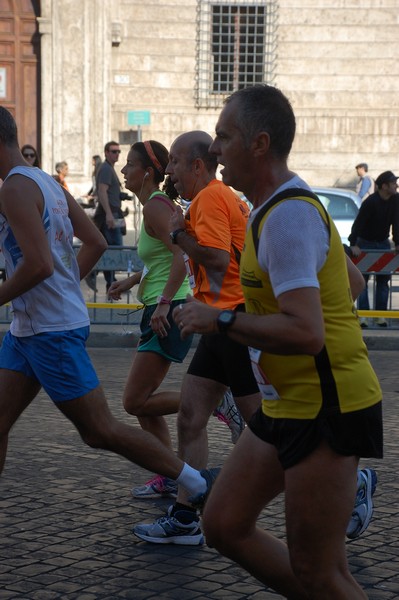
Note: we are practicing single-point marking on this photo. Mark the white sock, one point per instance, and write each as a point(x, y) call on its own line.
point(191, 479)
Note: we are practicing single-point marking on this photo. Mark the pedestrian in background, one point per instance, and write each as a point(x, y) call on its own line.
point(377, 217)
point(108, 216)
point(365, 185)
point(30, 155)
point(89, 203)
point(92, 193)
point(62, 171)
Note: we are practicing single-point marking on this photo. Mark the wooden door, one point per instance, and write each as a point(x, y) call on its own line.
point(19, 66)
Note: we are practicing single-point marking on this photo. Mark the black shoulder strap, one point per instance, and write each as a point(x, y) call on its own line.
point(237, 253)
point(284, 195)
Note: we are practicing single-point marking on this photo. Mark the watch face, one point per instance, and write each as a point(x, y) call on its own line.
point(226, 317)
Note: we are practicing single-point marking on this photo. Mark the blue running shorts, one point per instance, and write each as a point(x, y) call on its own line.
point(57, 360)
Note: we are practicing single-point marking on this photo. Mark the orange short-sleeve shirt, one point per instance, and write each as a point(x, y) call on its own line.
point(217, 218)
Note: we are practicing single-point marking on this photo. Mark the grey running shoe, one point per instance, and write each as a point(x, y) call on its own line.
point(209, 475)
point(157, 487)
point(228, 413)
point(171, 530)
point(363, 510)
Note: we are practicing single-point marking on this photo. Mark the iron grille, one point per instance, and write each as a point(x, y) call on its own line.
point(236, 47)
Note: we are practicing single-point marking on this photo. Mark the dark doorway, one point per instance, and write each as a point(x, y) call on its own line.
point(20, 66)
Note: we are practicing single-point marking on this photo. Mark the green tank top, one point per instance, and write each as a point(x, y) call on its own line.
point(157, 261)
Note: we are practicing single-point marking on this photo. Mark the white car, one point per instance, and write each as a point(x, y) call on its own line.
point(342, 205)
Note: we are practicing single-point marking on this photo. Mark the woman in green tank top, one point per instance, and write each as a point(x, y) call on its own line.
point(162, 285)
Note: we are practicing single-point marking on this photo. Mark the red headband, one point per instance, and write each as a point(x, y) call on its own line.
point(153, 158)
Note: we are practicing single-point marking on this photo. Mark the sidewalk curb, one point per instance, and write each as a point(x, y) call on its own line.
point(382, 342)
point(100, 338)
point(105, 339)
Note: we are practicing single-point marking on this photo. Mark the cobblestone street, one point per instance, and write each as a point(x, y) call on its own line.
point(66, 512)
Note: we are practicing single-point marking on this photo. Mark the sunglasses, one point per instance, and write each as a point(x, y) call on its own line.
point(29, 155)
point(115, 151)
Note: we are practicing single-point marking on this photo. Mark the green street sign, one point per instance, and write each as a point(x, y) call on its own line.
point(138, 117)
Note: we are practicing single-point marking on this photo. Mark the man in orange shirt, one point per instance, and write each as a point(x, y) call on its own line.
point(212, 235)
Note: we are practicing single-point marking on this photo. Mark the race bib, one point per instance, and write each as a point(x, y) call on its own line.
point(265, 387)
point(189, 271)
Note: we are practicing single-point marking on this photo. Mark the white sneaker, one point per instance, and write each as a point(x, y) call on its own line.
point(363, 509)
point(157, 487)
point(381, 322)
point(228, 413)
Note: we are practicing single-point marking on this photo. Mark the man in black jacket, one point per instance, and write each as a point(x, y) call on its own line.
point(370, 231)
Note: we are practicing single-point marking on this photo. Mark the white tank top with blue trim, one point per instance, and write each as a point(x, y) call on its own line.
point(57, 303)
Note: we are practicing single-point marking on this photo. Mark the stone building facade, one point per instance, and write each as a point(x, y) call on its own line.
point(163, 60)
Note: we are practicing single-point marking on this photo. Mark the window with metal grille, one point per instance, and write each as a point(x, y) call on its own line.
point(235, 47)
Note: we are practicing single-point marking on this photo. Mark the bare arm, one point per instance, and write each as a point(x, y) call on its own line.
point(356, 279)
point(93, 243)
point(118, 287)
point(297, 329)
point(25, 221)
point(156, 219)
point(210, 258)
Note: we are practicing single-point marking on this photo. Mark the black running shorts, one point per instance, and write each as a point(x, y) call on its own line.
point(221, 359)
point(357, 433)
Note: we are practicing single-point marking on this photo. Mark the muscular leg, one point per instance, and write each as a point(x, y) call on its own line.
point(232, 510)
point(99, 429)
point(146, 374)
point(199, 397)
point(320, 493)
point(319, 499)
point(16, 393)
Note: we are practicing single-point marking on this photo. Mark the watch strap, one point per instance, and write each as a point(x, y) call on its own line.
point(175, 233)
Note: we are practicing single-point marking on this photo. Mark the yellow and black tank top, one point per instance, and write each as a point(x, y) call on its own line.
point(340, 378)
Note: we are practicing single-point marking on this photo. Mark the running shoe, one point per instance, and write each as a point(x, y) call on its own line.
point(228, 413)
point(157, 487)
point(182, 528)
point(363, 510)
point(209, 475)
point(381, 322)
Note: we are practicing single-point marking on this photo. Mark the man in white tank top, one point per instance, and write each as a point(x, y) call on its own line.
point(38, 219)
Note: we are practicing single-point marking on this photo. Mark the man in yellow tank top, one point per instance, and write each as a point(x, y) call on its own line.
point(321, 407)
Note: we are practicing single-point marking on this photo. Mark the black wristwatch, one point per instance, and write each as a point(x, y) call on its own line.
point(225, 320)
point(174, 234)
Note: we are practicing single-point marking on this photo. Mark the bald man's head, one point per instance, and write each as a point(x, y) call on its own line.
point(191, 167)
point(195, 144)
